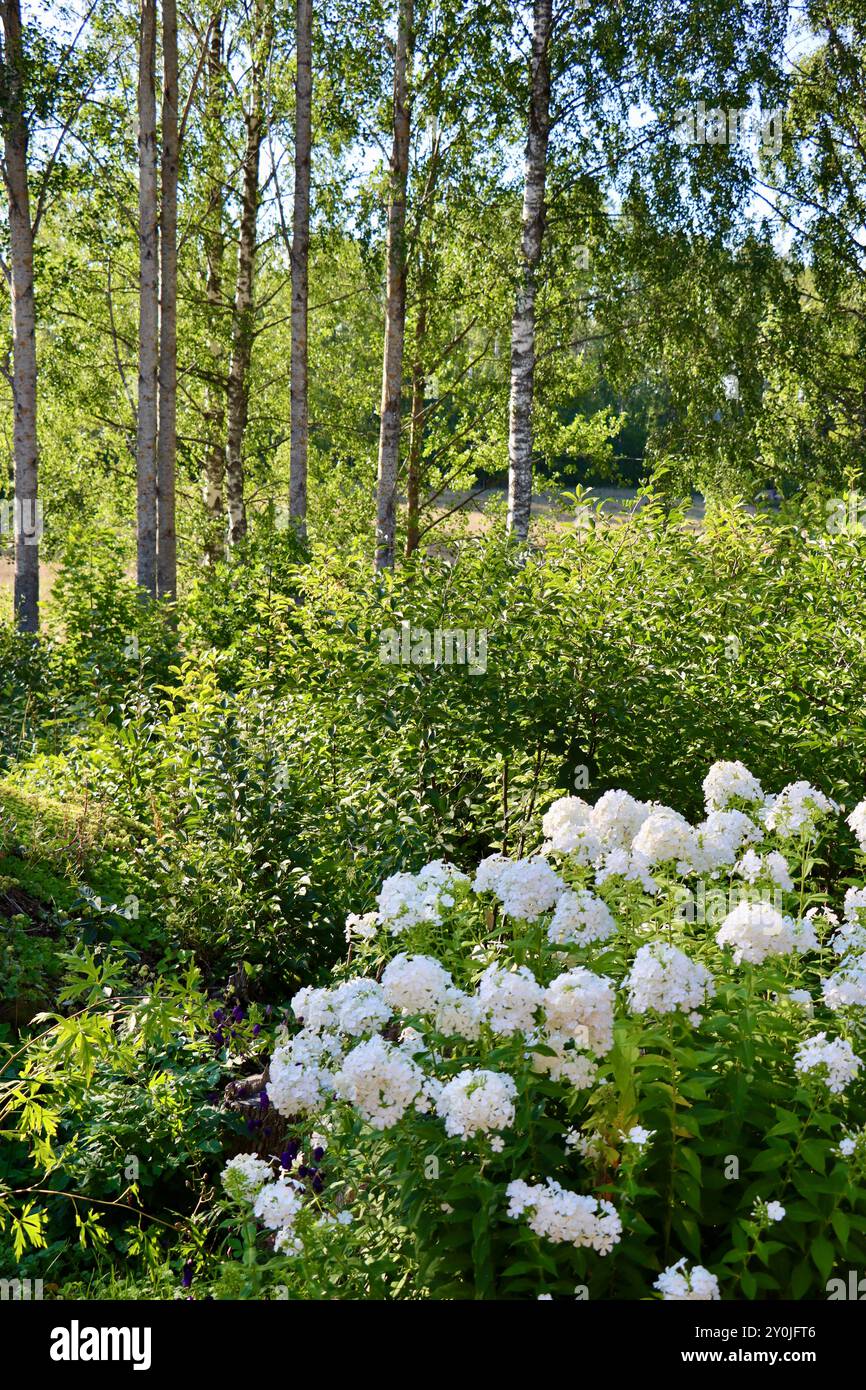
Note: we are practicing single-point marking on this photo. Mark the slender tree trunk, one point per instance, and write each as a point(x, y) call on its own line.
point(395, 297)
point(300, 266)
point(243, 320)
point(416, 434)
point(148, 310)
point(214, 249)
point(167, 439)
point(27, 526)
point(523, 321)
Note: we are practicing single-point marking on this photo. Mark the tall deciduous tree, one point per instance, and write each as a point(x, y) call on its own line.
point(243, 320)
point(148, 310)
point(395, 295)
point(300, 267)
point(20, 276)
point(214, 250)
point(523, 320)
point(167, 436)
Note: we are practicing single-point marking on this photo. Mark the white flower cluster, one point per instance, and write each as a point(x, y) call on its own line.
point(569, 830)
point(664, 980)
point(579, 918)
point(355, 1007)
point(565, 1217)
point(834, 1062)
point(772, 866)
point(797, 809)
point(756, 930)
point(666, 836)
point(380, 1080)
point(730, 781)
point(580, 1005)
point(525, 887)
point(857, 822)
point(678, 1284)
point(405, 900)
point(300, 1081)
point(846, 988)
point(721, 836)
point(416, 984)
point(509, 999)
point(277, 1203)
point(459, 1015)
point(244, 1175)
point(476, 1102)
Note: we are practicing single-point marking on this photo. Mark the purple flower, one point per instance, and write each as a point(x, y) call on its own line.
point(318, 1182)
point(286, 1159)
point(257, 1028)
point(318, 1153)
point(238, 1014)
point(186, 1278)
point(303, 1170)
point(218, 1015)
point(264, 1102)
point(218, 1038)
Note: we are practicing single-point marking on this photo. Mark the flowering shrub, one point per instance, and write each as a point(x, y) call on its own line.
point(627, 1065)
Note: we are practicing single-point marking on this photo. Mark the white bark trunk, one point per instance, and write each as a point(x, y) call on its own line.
point(25, 445)
point(148, 311)
point(167, 440)
point(395, 298)
point(300, 268)
point(243, 319)
point(523, 321)
point(214, 247)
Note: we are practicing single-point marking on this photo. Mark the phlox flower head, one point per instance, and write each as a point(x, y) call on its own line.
point(408, 900)
point(580, 917)
point(564, 1217)
point(730, 781)
point(476, 1102)
point(832, 1062)
point(380, 1081)
point(509, 999)
point(757, 930)
point(678, 1284)
point(664, 980)
point(580, 1005)
point(415, 984)
point(798, 809)
point(244, 1175)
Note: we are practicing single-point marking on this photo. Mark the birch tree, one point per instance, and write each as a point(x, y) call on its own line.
point(395, 296)
point(214, 251)
point(167, 434)
point(19, 275)
point(243, 319)
point(523, 319)
point(148, 310)
point(300, 268)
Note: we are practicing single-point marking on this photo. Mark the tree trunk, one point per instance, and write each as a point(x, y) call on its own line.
point(148, 308)
point(395, 297)
point(27, 526)
point(300, 267)
point(214, 249)
point(167, 440)
point(523, 321)
point(416, 434)
point(243, 320)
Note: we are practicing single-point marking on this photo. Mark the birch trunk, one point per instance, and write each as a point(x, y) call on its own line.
point(395, 298)
point(523, 321)
point(416, 433)
point(148, 307)
point(26, 518)
point(300, 268)
point(167, 438)
point(243, 319)
point(214, 249)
